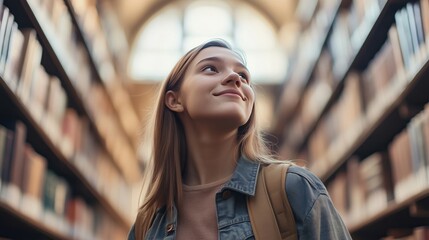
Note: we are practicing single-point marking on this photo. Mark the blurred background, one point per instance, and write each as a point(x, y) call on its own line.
point(342, 85)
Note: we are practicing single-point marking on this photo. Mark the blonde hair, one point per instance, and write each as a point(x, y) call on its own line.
point(169, 152)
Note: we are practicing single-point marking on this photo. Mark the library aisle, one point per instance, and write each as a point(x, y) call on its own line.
point(342, 86)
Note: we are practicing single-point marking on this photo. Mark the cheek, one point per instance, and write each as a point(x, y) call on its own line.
point(250, 94)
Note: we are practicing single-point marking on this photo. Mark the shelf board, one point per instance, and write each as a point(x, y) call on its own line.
point(95, 69)
point(394, 216)
point(373, 41)
point(17, 225)
point(378, 135)
point(13, 107)
point(72, 94)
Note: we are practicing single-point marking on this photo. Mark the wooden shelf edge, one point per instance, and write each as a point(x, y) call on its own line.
point(69, 169)
point(391, 209)
point(30, 223)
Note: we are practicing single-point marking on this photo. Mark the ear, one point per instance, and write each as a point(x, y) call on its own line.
point(173, 102)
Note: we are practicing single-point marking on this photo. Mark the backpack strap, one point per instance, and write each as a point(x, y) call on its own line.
point(270, 213)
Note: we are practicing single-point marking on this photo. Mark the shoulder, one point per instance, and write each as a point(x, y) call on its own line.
point(303, 189)
point(301, 178)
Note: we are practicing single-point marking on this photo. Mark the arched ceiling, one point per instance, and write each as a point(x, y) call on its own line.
point(132, 14)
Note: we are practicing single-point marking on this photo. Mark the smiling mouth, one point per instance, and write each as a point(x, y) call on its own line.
point(231, 93)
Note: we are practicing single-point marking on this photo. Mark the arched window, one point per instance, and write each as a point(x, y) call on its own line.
point(180, 26)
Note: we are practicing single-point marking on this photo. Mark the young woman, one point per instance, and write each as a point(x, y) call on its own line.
point(207, 153)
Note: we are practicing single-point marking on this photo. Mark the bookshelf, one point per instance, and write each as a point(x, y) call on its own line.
point(376, 106)
point(96, 70)
point(381, 132)
point(20, 226)
point(301, 77)
point(87, 174)
point(372, 42)
point(30, 20)
point(406, 215)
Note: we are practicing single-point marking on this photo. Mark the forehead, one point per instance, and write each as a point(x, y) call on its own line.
point(224, 54)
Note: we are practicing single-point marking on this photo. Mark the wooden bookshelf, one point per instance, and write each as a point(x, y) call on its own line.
point(95, 69)
point(373, 41)
point(305, 80)
point(380, 133)
point(17, 225)
point(55, 66)
point(383, 118)
point(397, 216)
point(13, 107)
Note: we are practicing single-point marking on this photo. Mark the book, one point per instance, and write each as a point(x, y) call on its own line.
point(375, 175)
point(31, 57)
point(32, 183)
point(402, 170)
point(13, 161)
point(412, 25)
point(397, 53)
point(30, 71)
point(418, 24)
point(406, 45)
point(11, 72)
point(70, 128)
point(55, 107)
point(355, 191)
point(3, 135)
point(4, 17)
point(38, 94)
point(7, 157)
point(6, 42)
point(424, 6)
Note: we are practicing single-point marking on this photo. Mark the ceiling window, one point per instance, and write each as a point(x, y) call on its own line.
point(179, 27)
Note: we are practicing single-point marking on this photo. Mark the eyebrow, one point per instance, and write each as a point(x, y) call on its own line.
point(217, 59)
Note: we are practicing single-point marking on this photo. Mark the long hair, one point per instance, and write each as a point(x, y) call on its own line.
point(169, 152)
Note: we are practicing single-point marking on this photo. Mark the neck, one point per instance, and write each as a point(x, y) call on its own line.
point(212, 155)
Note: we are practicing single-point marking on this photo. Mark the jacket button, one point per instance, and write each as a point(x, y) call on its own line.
point(170, 228)
point(226, 194)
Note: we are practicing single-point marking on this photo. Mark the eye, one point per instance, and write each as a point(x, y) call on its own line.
point(209, 68)
point(244, 77)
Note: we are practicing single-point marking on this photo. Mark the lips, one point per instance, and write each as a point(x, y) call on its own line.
point(230, 91)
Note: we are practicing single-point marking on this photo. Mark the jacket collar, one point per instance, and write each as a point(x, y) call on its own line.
point(244, 177)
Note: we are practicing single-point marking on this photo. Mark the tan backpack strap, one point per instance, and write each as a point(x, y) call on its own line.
point(275, 175)
point(270, 213)
point(261, 213)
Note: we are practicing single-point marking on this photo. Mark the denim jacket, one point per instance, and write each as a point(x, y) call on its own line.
point(315, 216)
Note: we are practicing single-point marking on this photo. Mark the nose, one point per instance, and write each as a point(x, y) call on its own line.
point(232, 78)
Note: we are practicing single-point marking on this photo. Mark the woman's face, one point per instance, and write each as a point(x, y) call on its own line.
point(216, 88)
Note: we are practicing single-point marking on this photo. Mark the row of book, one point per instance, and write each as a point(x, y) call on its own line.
point(364, 98)
point(118, 116)
point(349, 29)
point(305, 56)
point(369, 185)
point(418, 233)
point(78, 146)
point(44, 95)
point(31, 187)
point(89, 21)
